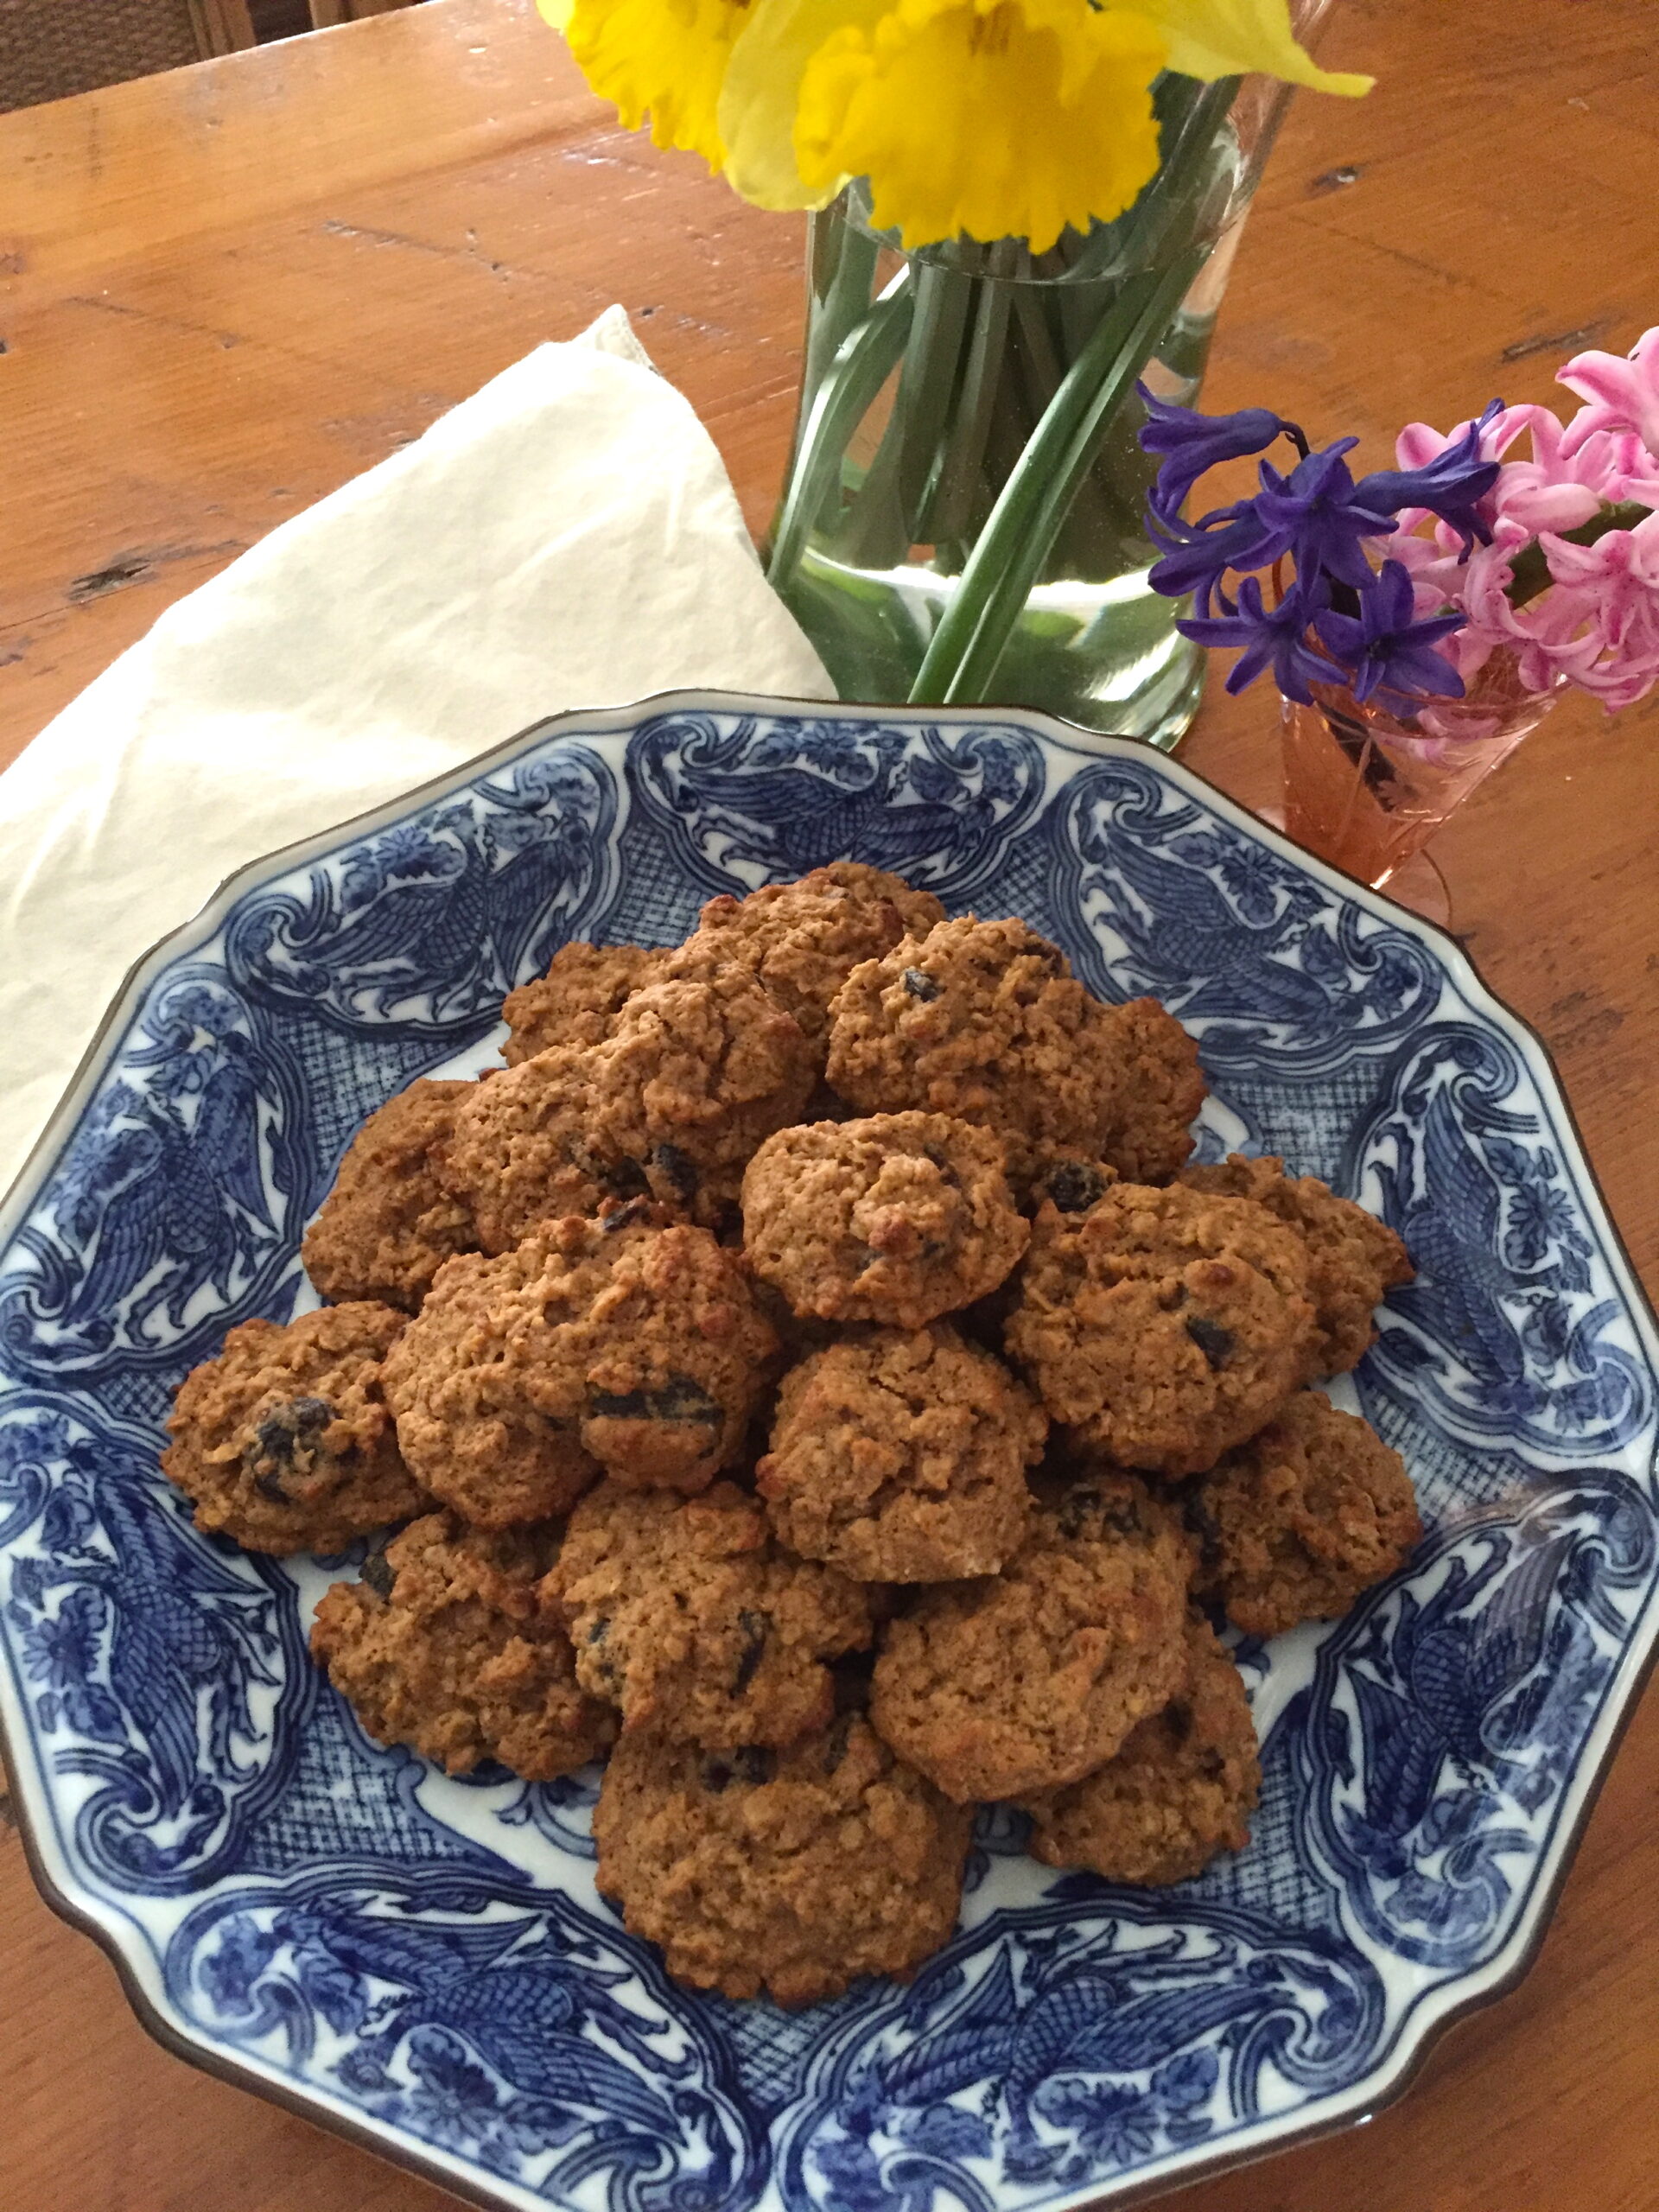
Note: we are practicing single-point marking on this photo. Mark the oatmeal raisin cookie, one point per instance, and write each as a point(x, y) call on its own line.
point(901, 1456)
point(1295, 1524)
point(448, 1643)
point(285, 1441)
point(1353, 1258)
point(897, 1218)
point(606, 1345)
point(1029, 1679)
point(686, 1615)
point(578, 999)
point(1180, 1790)
point(389, 1224)
point(794, 1873)
point(1166, 1325)
point(983, 1020)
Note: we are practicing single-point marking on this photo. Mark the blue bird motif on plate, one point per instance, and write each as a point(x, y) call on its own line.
point(422, 1960)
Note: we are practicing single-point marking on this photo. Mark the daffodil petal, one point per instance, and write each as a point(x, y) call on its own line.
point(662, 58)
point(1037, 115)
point(762, 92)
point(557, 12)
point(1227, 38)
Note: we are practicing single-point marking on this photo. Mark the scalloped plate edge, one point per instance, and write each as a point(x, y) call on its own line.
point(1423, 2026)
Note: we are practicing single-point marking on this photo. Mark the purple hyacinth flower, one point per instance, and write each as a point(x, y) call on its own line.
point(1315, 514)
point(1272, 636)
point(1448, 487)
point(1191, 443)
point(1390, 656)
point(1198, 555)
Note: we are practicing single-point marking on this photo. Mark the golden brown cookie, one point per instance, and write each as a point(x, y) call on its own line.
point(894, 1219)
point(592, 1345)
point(901, 1456)
point(794, 1873)
point(525, 1148)
point(802, 940)
point(1032, 1678)
point(446, 1644)
point(577, 1001)
point(285, 1441)
point(1296, 1523)
point(1180, 1790)
point(389, 1224)
point(1353, 1258)
point(1162, 1089)
point(688, 1616)
point(983, 1020)
point(1166, 1325)
point(671, 1104)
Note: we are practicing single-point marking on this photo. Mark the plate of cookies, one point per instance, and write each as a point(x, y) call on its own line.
point(815, 1458)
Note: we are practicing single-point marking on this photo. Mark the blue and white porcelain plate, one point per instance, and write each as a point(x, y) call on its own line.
point(424, 1962)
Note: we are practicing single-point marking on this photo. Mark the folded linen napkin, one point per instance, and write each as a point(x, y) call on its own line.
point(566, 537)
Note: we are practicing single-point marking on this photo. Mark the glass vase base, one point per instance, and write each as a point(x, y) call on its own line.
point(1416, 884)
point(1105, 658)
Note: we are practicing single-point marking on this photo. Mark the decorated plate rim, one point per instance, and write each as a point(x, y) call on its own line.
point(1428, 2017)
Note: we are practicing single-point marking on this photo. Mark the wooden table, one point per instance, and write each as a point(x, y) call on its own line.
point(227, 291)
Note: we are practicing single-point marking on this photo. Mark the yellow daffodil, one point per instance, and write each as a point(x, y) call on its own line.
point(762, 94)
point(989, 117)
point(1228, 38)
point(662, 58)
point(1038, 114)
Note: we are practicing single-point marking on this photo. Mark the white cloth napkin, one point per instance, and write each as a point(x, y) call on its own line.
point(566, 537)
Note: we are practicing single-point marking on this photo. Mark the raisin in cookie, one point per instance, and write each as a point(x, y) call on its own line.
point(1032, 1678)
point(802, 940)
point(1352, 1257)
point(901, 1458)
point(1181, 1790)
point(448, 1645)
point(1297, 1522)
point(896, 1219)
point(693, 1075)
point(686, 1615)
point(1068, 1182)
point(1166, 1325)
point(285, 1441)
point(983, 1020)
point(611, 1344)
point(389, 1224)
point(795, 1872)
point(577, 1001)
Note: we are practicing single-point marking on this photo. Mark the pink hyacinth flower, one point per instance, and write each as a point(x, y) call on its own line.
point(1622, 392)
point(1556, 490)
point(1620, 574)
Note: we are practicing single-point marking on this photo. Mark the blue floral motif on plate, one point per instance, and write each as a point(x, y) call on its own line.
point(423, 1961)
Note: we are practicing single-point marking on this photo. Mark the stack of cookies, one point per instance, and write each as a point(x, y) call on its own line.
point(811, 1378)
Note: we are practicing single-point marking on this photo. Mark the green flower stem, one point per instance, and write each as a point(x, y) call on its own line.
point(881, 526)
point(1045, 356)
point(862, 364)
point(965, 649)
point(1530, 575)
point(949, 514)
point(962, 655)
point(841, 277)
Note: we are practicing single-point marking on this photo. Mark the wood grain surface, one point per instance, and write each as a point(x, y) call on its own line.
point(223, 292)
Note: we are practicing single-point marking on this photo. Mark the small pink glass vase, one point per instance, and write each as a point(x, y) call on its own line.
point(1366, 790)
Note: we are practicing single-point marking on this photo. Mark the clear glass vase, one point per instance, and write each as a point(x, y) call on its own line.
point(962, 517)
point(1366, 790)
